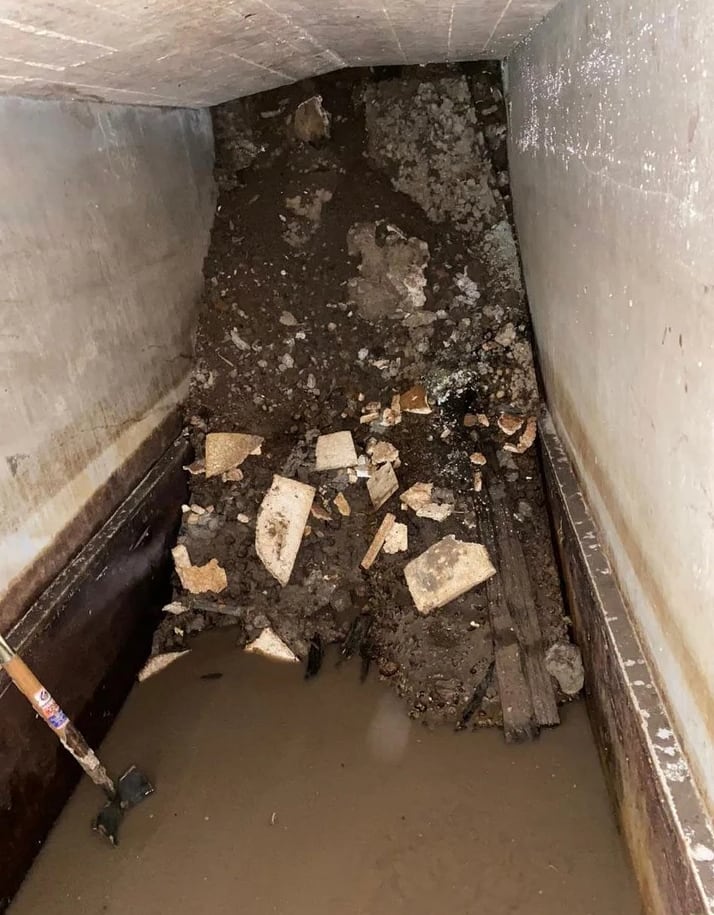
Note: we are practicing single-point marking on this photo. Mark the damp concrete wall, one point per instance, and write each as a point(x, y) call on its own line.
point(202, 52)
point(105, 214)
point(612, 165)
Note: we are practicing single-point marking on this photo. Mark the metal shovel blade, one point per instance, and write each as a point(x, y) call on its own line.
point(132, 788)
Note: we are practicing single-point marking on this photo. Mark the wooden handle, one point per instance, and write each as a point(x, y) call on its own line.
point(57, 721)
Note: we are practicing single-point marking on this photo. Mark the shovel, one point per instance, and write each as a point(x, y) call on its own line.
point(130, 789)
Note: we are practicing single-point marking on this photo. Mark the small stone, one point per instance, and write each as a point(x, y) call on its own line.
point(415, 401)
point(311, 122)
point(198, 579)
point(477, 458)
point(227, 450)
point(509, 423)
point(564, 662)
point(342, 505)
point(288, 319)
point(397, 540)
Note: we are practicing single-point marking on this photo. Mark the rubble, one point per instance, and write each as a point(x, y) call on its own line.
point(378, 541)
point(159, 662)
point(227, 450)
point(445, 571)
point(300, 340)
point(397, 540)
point(382, 452)
point(417, 496)
point(311, 122)
point(269, 645)
point(335, 451)
point(527, 438)
point(198, 579)
point(382, 485)
point(391, 277)
point(279, 528)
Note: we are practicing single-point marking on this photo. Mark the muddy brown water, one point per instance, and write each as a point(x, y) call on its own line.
point(279, 796)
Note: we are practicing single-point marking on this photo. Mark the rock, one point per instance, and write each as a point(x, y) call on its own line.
point(270, 645)
point(227, 450)
point(280, 525)
point(288, 319)
point(509, 423)
point(414, 400)
point(311, 122)
point(335, 451)
point(397, 540)
point(445, 571)
point(564, 663)
point(198, 579)
point(382, 485)
point(527, 438)
point(477, 458)
point(378, 541)
point(158, 663)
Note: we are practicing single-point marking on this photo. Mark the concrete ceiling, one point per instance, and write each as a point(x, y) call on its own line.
point(202, 52)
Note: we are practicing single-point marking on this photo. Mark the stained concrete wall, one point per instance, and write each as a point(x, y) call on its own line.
point(612, 166)
point(105, 214)
point(202, 52)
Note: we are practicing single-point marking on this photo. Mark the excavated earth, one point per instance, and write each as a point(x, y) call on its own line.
point(344, 269)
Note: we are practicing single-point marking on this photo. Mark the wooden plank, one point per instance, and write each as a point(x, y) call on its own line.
point(378, 541)
point(662, 819)
point(519, 721)
point(521, 603)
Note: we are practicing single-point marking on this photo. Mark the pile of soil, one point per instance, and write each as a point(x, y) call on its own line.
point(349, 261)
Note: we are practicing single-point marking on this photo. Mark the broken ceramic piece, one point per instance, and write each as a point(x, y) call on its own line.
point(527, 438)
point(397, 540)
point(335, 451)
point(271, 646)
point(378, 541)
point(226, 450)
point(382, 485)
point(436, 511)
point(342, 505)
point(414, 400)
point(280, 525)
point(198, 579)
point(158, 663)
point(445, 571)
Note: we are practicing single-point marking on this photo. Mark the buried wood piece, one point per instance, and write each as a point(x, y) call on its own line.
point(415, 401)
point(519, 720)
point(445, 571)
point(520, 599)
point(397, 540)
point(226, 450)
point(280, 525)
point(335, 451)
point(197, 579)
point(270, 645)
point(158, 663)
point(342, 505)
point(378, 541)
point(382, 485)
point(527, 437)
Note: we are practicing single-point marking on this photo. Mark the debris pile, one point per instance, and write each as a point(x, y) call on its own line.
point(364, 407)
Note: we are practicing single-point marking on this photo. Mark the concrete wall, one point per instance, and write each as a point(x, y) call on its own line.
point(202, 52)
point(105, 214)
point(612, 158)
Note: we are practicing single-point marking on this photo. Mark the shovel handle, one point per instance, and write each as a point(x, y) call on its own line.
point(54, 718)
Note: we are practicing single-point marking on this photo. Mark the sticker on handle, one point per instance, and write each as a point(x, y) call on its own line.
point(50, 711)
